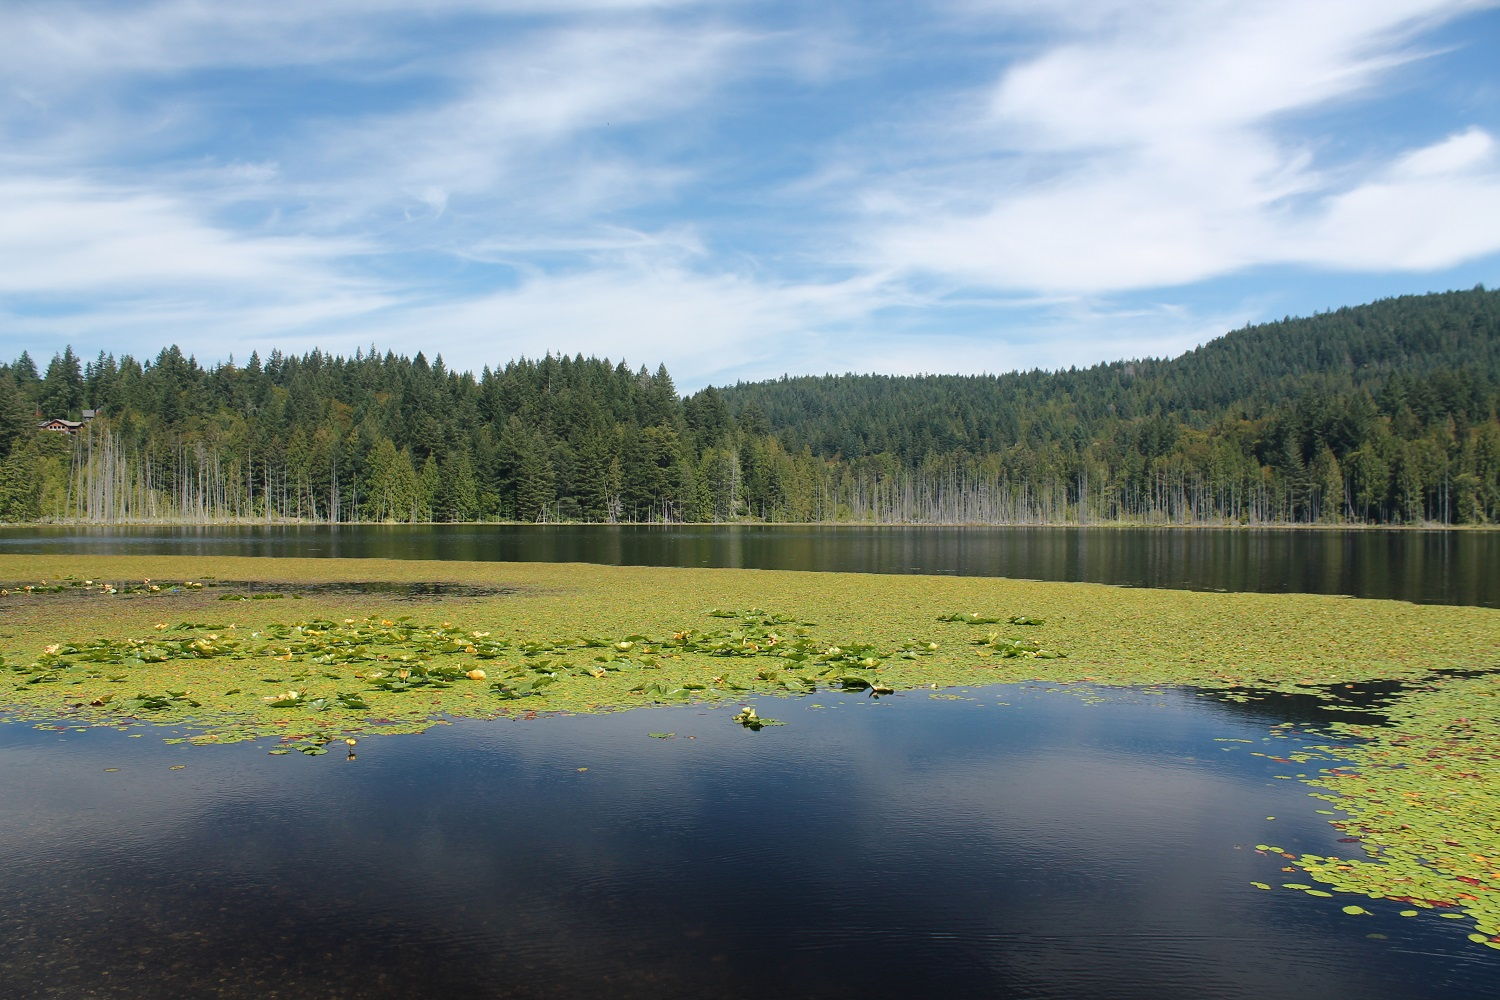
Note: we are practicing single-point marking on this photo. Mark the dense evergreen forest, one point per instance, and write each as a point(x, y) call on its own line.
point(1383, 413)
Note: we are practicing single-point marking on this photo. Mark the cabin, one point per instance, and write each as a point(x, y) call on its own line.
point(66, 426)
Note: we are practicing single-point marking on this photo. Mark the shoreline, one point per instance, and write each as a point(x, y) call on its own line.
point(834, 525)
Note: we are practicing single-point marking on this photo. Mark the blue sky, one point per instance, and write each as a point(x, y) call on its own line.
point(738, 189)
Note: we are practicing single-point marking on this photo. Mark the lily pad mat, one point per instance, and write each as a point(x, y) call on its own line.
point(1111, 635)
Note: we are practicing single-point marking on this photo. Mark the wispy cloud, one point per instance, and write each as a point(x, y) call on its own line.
point(1155, 145)
point(704, 327)
point(736, 189)
point(527, 127)
point(67, 236)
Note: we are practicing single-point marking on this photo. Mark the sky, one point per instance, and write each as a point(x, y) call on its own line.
point(736, 188)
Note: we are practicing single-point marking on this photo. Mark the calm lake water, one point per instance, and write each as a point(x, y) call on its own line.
point(1023, 843)
point(1433, 567)
point(1010, 842)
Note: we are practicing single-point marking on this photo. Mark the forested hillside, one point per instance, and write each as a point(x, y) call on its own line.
point(1378, 413)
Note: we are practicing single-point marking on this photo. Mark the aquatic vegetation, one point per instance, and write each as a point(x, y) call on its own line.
point(352, 669)
point(311, 746)
point(975, 618)
point(1420, 794)
point(748, 718)
point(1423, 804)
point(103, 588)
point(1000, 645)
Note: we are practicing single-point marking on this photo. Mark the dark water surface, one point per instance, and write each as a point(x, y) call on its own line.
point(1430, 567)
point(1025, 843)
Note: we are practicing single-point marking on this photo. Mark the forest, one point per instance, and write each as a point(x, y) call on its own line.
point(1386, 413)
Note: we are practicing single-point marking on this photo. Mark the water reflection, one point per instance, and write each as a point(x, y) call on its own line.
point(1439, 567)
point(1020, 843)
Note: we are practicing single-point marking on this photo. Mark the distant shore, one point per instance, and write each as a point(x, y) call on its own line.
point(1121, 525)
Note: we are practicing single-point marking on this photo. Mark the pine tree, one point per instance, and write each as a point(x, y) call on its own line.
point(16, 420)
point(429, 486)
point(392, 493)
point(534, 487)
point(62, 390)
point(458, 498)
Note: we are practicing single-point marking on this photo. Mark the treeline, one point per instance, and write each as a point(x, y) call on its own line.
point(1384, 413)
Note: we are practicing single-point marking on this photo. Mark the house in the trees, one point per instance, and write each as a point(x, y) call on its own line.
point(67, 426)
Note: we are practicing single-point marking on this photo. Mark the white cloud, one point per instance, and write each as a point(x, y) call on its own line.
point(303, 243)
point(1472, 149)
point(1153, 217)
point(126, 270)
point(647, 311)
point(68, 236)
point(62, 40)
point(513, 130)
point(494, 177)
point(1151, 150)
point(1435, 207)
point(1198, 67)
point(522, 113)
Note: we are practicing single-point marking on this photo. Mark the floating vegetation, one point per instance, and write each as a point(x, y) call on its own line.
point(312, 746)
point(996, 644)
point(244, 590)
point(354, 667)
point(102, 588)
point(1422, 799)
point(418, 591)
point(975, 618)
point(747, 718)
point(1417, 788)
point(162, 702)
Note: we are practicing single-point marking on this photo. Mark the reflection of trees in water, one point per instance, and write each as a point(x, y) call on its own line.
point(1440, 567)
point(407, 591)
point(227, 590)
point(1357, 703)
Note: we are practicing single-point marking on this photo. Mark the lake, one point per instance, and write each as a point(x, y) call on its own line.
point(1009, 841)
point(1434, 567)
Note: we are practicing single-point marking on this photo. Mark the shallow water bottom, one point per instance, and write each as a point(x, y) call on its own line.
point(1007, 841)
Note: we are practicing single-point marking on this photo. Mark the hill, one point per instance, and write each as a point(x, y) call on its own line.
point(1426, 349)
point(1380, 413)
